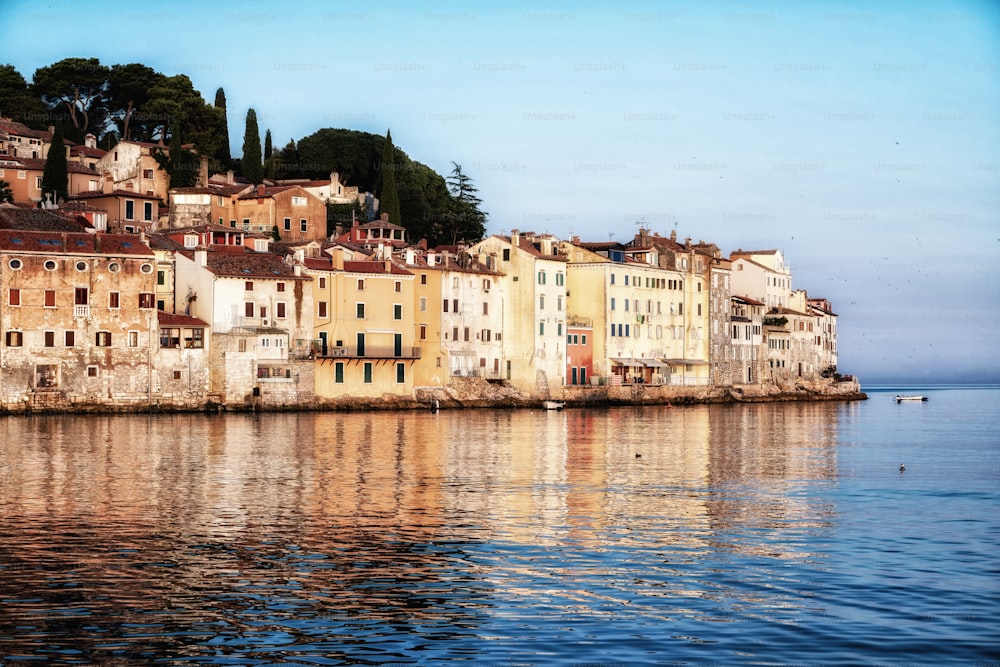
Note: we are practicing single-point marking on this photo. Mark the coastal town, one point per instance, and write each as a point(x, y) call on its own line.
point(132, 295)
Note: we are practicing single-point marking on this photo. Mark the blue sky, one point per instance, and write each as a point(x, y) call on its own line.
point(863, 140)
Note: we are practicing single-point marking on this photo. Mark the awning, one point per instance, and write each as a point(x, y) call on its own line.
point(625, 361)
point(654, 363)
point(686, 362)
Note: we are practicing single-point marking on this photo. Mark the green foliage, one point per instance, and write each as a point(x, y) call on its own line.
point(466, 221)
point(253, 169)
point(55, 176)
point(76, 86)
point(275, 234)
point(6, 194)
point(388, 195)
point(18, 103)
point(128, 91)
point(179, 163)
point(222, 154)
point(269, 157)
point(775, 321)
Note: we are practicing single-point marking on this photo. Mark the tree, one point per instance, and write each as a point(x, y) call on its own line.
point(275, 234)
point(6, 194)
point(55, 175)
point(268, 155)
point(388, 194)
point(129, 89)
point(175, 98)
point(465, 220)
point(180, 164)
point(17, 102)
point(222, 154)
point(77, 85)
point(253, 170)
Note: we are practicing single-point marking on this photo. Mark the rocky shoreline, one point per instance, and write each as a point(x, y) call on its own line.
point(476, 393)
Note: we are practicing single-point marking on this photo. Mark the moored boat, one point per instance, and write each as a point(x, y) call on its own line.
point(553, 405)
point(900, 398)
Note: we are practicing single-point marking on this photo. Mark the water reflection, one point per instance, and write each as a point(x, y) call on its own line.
point(395, 535)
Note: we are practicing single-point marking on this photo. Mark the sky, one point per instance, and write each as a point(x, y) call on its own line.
point(860, 139)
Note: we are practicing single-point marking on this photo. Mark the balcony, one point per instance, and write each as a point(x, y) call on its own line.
point(81, 311)
point(374, 352)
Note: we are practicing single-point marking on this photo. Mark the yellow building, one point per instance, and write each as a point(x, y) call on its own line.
point(364, 322)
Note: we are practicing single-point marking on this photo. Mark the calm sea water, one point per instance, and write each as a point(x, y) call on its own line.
point(747, 534)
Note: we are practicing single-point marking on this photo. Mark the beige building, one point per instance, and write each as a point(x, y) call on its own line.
point(131, 166)
point(298, 215)
point(533, 276)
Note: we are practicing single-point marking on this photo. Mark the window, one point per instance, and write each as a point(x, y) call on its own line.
point(361, 284)
point(423, 278)
point(486, 308)
point(454, 333)
point(445, 305)
point(423, 304)
point(248, 308)
point(14, 338)
point(322, 309)
point(454, 305)
point(541, 302)
point(15, 264)
point(288, 224)
point(103, 339)
point(398, 286)
point(81, 266)
point(170, 338)
point(541, 277)
point(196, 339)
point(114, 300)
point(190, 241)
point(133, 339)
point(262, 311)
point(161, 278)
point(69, 340)
point(541, 328)
point(50, 298)
point(129, 209)
point(338, 372)
point(466, 334)
point(360, 311)
point(50, 265)
point(147, 174)
point(279, 309)
point(400, 373)
point(368, 372)
point(248, 286)
point(506, 254)
point(50, 339)
point(146, 300)
point(612, 303)
point(147, 211)
point(91, 371)
point(246, 224)
point(114, 267)
point(14, 297)
point(177, 375)
point(303, 225)
point(560, 279)
point(322, 282)
point(423, 332)
point(397, 311)
point(281, 287)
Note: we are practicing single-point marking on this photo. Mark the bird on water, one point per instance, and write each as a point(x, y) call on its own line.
point(902, 468)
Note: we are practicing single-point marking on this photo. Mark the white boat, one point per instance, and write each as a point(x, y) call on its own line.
point(900, 398)
point(553, 405)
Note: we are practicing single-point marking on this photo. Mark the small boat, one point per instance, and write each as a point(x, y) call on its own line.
point(553, 405)
point(900, 398)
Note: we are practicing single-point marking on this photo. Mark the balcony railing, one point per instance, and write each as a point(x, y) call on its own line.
point(81, 311)
point(374, 352)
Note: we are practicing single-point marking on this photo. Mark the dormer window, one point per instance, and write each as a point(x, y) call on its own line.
point(190, 241)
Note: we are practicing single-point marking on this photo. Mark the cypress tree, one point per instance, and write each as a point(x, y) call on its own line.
point(388, 198)
point(222, 154)
point(55, 176)
point(268, 155)
point(253, 170)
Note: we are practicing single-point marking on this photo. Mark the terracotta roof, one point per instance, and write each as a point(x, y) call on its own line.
point(87, 151)
point(113, 194)
point(75, 243)
point(249, 265)
point(35, 219)
point(166, 319)
point(267, 192)
point(747, 300)
point(375, 267)
point(22, 130)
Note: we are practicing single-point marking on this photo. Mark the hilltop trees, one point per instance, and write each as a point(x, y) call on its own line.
point(387, 194)
point(55, 175)
point(128, 91)
point(465, 220)
point(222, 153)
point(17, 101)
point(78, 87)
point(253, 169)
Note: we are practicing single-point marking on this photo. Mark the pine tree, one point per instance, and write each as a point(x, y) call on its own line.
point(388, 196)
point(465, 220)
point(55, 176)
point(222, 154)
point(253, 170)
point(6, 194)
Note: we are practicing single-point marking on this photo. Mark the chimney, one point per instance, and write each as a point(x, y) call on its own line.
point(203, 171)
point(431, 258)
point(90, 141)
point(410, 257)
point(338, 259)
point(229, 177)
point(673, 235)
point(108, 184)
point(515, 237)
point(201, 256)
point(260, 190)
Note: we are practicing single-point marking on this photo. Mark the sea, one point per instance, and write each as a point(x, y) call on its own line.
point(807, 533)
